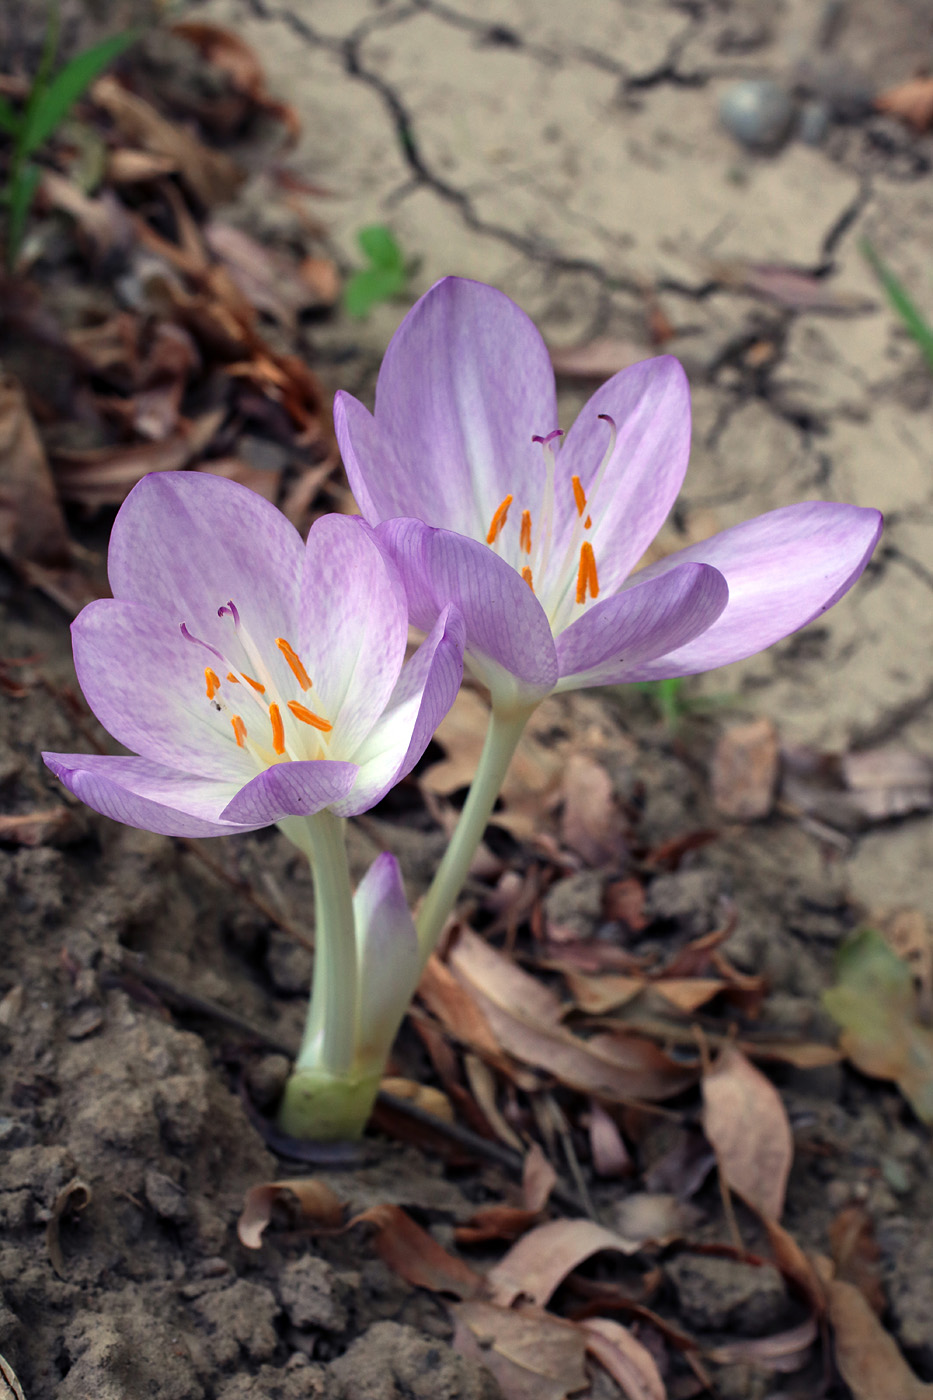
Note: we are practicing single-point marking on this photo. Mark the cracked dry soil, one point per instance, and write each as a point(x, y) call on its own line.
point(572, 155)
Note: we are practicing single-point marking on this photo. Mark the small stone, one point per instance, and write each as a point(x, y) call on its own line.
point(814, 122)
point(166, 1197)
point(744, 771)
point(266, 1080)
point(758, 113)
point(288, 963)
point(313, 1295)
point(724, 1295)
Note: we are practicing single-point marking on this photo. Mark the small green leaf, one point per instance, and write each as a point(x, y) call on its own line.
point(9, 121)
point(379, 245)
point(46, 114)
point(22, 193)
point(915, 322)
point(364, 290)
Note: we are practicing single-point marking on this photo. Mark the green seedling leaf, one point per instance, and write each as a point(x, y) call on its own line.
point(9, 121)
point(901, 301)
point(380, 247)
point(364, 290)
point(877, 1004)
point(21, 194)
point(47, 110)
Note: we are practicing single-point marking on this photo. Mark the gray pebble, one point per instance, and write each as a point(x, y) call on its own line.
point(758, 113)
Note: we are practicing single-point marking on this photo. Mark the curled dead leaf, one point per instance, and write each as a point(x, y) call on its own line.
point(912, 102)
point(538, 1264)
point(416, 1256)
point(311, 1200)
point(867, 1356)
point(630, 1364)
point(532, 1354)
point(746, 1124)
point(9, 1381)
point(75, 1196)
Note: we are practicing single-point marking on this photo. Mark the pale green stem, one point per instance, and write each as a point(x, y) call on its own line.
point(502, 736)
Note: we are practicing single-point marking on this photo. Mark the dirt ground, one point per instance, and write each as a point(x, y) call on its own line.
point(572, 155)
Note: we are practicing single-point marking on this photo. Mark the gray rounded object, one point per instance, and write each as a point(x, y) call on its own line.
point(758, 113)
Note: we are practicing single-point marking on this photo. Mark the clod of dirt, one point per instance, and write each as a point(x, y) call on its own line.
point(301, 1379)
point(239, 1317)
point(130, 1352)
point(723, 1295)
point(313, 1294)
point(166, 1197)
point(573, 908)
point(910, 1293)
point(688, 899)
point(392, 1362)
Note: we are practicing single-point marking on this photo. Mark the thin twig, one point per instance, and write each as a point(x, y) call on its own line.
point(269, 911)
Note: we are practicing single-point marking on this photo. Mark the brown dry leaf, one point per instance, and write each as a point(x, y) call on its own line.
point(8, 1377)
point(912, 102)
point(744, 771)
point(313, 1201)
point(538, 1179)
point(856, 1254)
point(36, 828)
point(867, 1356)
point(423, 1096)
point(746, 1124)
point(234, 57)
point(806, 1273)
point(75, 1196)
point(591, 823)
point(654, 1217)
point(597, 995)
point(525, 1018)
point(456, 1010)
point(508, 1222)
point(32, 527)
point(531, 1354)
point(630, 1364)
point(889, 782)
point(782, 1351)
point(126, 166)
point(483, 1086)
point(101, 476)
point(323, 278)
point(802, 1054)
point(625, 900)
point(101, 218)
point(609, 1155)
point(210, 175)
point(788, 286)
point(268, 279)
point(416, 1256)
point(599, 359)
point(538, 1264)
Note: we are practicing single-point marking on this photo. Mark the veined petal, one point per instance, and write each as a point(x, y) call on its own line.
point(186, 542)
point(509, 643)
point(147, 795)
point(650, 406)
point(354, 626)
point(783, 570)
point(296, 789)
point(465, 383)
point(425, 692)
point(145, 683)
point(613, 636)
point(387, 955)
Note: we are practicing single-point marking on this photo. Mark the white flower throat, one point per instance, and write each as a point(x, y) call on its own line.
point(271, 727)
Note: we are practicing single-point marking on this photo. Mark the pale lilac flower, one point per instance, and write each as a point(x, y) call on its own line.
point(256, 677)
point(535, 539)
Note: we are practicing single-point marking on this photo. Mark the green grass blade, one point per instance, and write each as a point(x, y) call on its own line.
point(9, 121)
point(21, 196)
point(47, 112)
point(915, 322)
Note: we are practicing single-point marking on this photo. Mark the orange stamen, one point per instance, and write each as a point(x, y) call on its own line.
point(526, 575)
point(255, 684)
point(295, 662)
point(309, 717)
point(233, 678)
point(587, 522)
point(239, 729)
point(579, 495)
point(213, 682)
point(525, 541)
point(278, 729)
point(587, 579)
point(498, 520)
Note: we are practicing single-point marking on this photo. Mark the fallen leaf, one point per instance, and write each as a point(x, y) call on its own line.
point(416, 1256)
point(744, 770)
point(322, 277)
point(32, 527)
point(531, 1354)
point(311, 1200)
point(629, 1363)
point(746, 1124)
point(457, 1011)
point(100, 476)
point(878, 1006)
point(782, 1351)
point(538, 1264)
point(211, 176)
point(8, 1376)
point(421, 1095)
point(889, 782)
point(625, 900)
point(868, 1358)
point(126, 166)
point(591, 823)
point(788, 286)
point(505, 1222)
point(76, 1196)
point(654, 1217)
point(101, 218)
point(267, 278)
point(856, 1255)
point(598, 359)
point(35, 828)
point(232, 54)
point(609, 1155)
point(912, 102)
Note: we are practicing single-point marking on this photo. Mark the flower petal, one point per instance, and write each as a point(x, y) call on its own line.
point(353, 628)
point(613, 636)
point(146, 685)
point(186, 542)
point(650, 406)
point(508, 637)
point(387, 955)
point(147, 795)
point(465, 383)
point(783, 569)
point(296, 789)
point(425, 692)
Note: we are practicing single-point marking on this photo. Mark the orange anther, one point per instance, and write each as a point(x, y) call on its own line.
point(309, 717)
point(526, 575)
point(239, 729)
point(524, 543)
point(255, 684)
point(587, 522)
point(295, 662)
point(498, 520)
point(587, 580)
point(213, 682)
point(233, 678)
point(579, 495)
point(278, 729)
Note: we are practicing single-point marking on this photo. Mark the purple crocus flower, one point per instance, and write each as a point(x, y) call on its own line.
point(481, 504)
point(256, 677)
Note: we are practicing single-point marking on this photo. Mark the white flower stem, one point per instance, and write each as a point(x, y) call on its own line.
point(502, 736)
